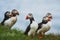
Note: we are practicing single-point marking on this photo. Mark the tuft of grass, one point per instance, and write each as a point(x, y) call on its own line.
point(7, 34)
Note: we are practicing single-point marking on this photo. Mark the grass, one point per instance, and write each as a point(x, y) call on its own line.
point(6, 34)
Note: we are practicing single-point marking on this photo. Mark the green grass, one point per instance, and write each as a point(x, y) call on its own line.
point(6, 34)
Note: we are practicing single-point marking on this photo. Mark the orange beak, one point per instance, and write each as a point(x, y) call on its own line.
point(50, 17)
point(26, 17)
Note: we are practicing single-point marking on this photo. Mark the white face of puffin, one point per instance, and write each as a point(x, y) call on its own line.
point(49, 17)
point(29, 16)
point(8, 14)
point(14, 12)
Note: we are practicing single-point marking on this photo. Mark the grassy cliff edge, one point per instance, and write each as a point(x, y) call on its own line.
point(6, 34)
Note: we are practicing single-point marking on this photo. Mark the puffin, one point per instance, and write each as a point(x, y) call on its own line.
point(44, 26)
point(6, 17)
point(32, 27)
point(11, 21)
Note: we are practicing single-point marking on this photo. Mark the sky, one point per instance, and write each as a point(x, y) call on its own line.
point(38, 8)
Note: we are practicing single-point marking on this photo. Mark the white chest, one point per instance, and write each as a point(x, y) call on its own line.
point(34, 25)
point(33, 28)
point(46, 27)
point(11, 21)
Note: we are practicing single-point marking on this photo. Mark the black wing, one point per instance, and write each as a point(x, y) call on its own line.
point(39, 26)
point(27, 30)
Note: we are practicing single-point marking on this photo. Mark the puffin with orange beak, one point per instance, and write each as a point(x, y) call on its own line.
point(32, 27)
point(44, 26)
point(11, 21)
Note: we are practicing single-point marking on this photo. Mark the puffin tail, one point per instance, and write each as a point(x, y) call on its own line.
point(2, 23)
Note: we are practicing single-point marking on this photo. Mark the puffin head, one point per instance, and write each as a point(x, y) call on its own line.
point(48, 17)
point(15, 12)
point(29, 16)
point(7, 14)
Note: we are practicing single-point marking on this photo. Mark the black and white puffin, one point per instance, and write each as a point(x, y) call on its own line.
point(32, 27)
point(44, 26)
point(11, 21)
point(6, 17)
